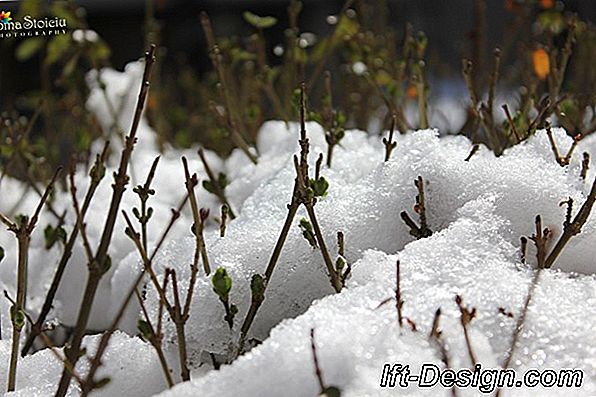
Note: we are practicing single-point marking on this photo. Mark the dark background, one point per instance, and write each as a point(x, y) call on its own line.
point(120, 22)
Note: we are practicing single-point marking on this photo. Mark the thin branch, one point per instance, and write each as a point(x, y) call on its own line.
point(389, 143)
point(423, 230)
point(585, 165)
point(218, 190)
point(96, 175)
point(572, 228)
point(399, 303)
point(540, 238)
point(22, 230)
point(473, 151)
point(467, 315)
point(101, 261)
point(95, 362)
point(225, 210)
point(154, 339)
point(511, 123)
point(200, 249)
point(315, 359)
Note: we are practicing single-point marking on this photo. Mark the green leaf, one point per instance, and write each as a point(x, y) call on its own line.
point(17, 317)
point(103, 382)
point(307, 232)
point(107, 264)
point(144, 329)
point(319, 186)
point(222, 283)
point(340, 263)
point(330, 391)
point(222, 180)
point(21, 220)
point(208, 186)
point(98, 171)
point(28, 48)
point(257, 288)
point(259, 22)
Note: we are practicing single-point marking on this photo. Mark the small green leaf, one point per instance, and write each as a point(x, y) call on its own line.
point(257, 288)
point(103, 382)
point(21, 220)
point(222, 180)
point(307, 232)
point(208, 186)
point(319, 186)
point(222, 283)
point(340, 263)
point(107, 264)
point(259, 22)
point(17, 317)
point(98, 171)
point(144, 329)
point(330, 391)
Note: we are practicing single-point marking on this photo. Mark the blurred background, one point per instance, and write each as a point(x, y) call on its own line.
point(449, 26)
point(384, 57)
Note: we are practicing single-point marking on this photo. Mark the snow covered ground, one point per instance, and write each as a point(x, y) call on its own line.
point(477, 209)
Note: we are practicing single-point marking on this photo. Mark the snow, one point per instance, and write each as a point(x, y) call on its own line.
point(355, 337)
point(477, 209)
point(131, 365)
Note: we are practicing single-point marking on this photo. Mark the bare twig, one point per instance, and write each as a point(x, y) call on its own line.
point(423, 230)
point(200, 248)
point(330, 391)
point(389, 143)
point(540, 238)
point(22, 229)
point(95, 362)
point(301, 195)
point(218, 190)
point(99, 266)
point(524, 247)
point(398, 300)
point(473, 151)
point(585, 165)
point(144, 192)
point(315, 360)
point(225, 210)
point(154, 338)
point(467, 315)
point(436, 337)
point(96, 175)
point(47, 341)
point(561, 160)
point(511, 123)
point(572, 228)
